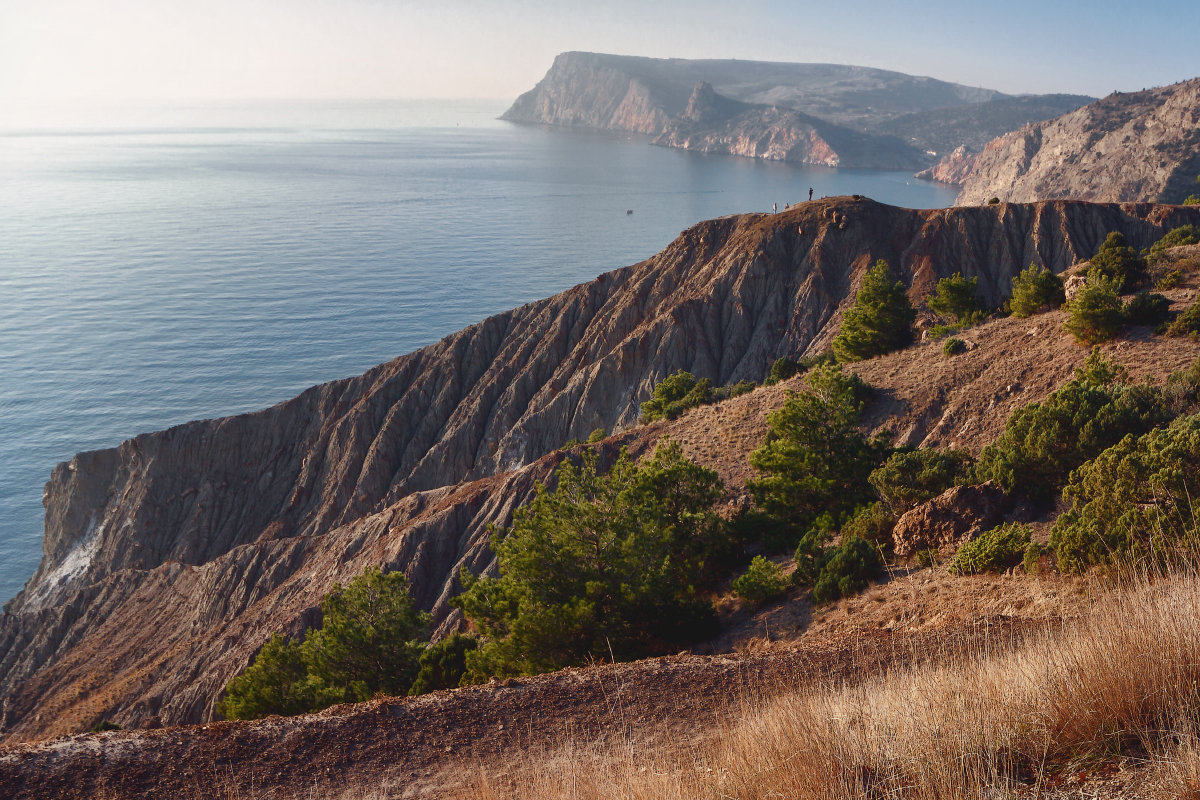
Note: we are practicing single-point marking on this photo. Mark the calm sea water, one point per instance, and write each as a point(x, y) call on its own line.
point(193, 262)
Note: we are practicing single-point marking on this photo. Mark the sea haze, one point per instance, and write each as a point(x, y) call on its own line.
point(195, 262)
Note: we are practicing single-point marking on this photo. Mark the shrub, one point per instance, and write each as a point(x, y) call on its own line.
point(1136, 499)
point(443, 665)
point(105, 725)
point(1187, 323)
point(879, 321)
point(1032, 560)
point(993, 201)
point(846, 570)
point(763, 580)
point(1036, 289)
point(597, 435)
point(941, 331)
point(1176, 237)
point(1145, 308)
point(953, 347)
point(992, 551)
point(782, 369)
point(910, 477)
point(815, 460)
point(1042, 442)
point(1170, 280)
point(603, 563)
point(370, 642)
point(1118, 262)
point(810, 555)
point(1095, 312)
point(675, 394)
point(956, 299)
point(736, 390)
point(927, 558)
point(872, 522)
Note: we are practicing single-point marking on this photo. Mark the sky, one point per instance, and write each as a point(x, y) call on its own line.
point(111, 51)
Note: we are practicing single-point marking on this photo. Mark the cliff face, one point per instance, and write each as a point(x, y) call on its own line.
point(813, 113)
point(1143, 146)
point(171, 558)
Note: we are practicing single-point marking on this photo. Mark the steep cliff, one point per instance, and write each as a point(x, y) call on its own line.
point(170, 559)
point(717, 125)
point(1141, 146)
point(813, 113)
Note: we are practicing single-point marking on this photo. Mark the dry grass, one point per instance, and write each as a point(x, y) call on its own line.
point(1123, 679)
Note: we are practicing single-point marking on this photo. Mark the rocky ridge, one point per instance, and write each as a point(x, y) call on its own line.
point(1128, 147)
point(826, 114)
point(222, 531)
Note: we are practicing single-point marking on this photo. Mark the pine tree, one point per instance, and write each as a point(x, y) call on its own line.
point(880, 320)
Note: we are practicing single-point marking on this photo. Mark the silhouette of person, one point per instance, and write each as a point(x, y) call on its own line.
point(774, 208)
point(810, 193)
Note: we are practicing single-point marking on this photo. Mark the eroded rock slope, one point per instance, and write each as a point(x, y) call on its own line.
point(1127, 147)
point(171, 558)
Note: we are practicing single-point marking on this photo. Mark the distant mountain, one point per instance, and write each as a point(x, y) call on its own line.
point(829, 114)
point(1139, 146)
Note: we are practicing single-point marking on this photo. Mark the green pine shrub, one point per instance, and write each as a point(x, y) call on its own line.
point(1187, 323)
point(597, 435)
point(1170, 279)
point(1118, 262)
point(815, 460)
point(846, 570)
point(1137, 499)
point(879, 321)
point(1095, 313)
point(992, 551)
point(1146, 308)
point(370, 642)
point(762, 581)
point(927, 558)
point(613, 563)
point(675, 394)
point(1176, 237)
point(1034, 290)
point(782, 369)
point(940, 331)
point(952, 347)
point(443, 665)
point(956, 299)
point(910, 477)
point(1042, 442)
point(873, 522)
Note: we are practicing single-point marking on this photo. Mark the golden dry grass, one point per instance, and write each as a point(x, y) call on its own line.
point(1122, 679)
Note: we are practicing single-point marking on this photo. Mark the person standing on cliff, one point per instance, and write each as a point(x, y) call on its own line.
point(810, 194)
point(774, 208)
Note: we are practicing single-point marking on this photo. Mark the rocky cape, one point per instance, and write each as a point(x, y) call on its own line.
point(826, 114)
point(170, 559)
point(1128, 147)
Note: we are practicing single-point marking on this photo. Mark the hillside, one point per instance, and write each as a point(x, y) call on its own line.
point(812, 113)
point(417, 747)
point(1128, 147)
point(223, 531)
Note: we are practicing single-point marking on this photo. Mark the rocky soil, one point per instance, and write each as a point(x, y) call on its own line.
point(1139, 146)
point(171, 558)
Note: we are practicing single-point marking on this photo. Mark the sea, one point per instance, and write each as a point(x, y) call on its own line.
point(170, 262)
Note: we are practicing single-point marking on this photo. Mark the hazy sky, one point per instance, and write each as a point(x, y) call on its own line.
point(112, 50)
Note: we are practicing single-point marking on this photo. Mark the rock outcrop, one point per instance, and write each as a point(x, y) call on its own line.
point(956, 515)
point(813, 113)
point(168, 560)
point(1128, 147)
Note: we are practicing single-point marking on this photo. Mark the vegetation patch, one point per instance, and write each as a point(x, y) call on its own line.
point(992, 551)
point(762, 581)
point(845, 570)
point(956, 298)
point(1118, 262)
point(1095, 312)
point(911, 477)
point(879, 321)
point(1035, 290)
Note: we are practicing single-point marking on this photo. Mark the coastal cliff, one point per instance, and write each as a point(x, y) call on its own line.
point(169, 559)
point(826, 114)
point(1128, 147)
